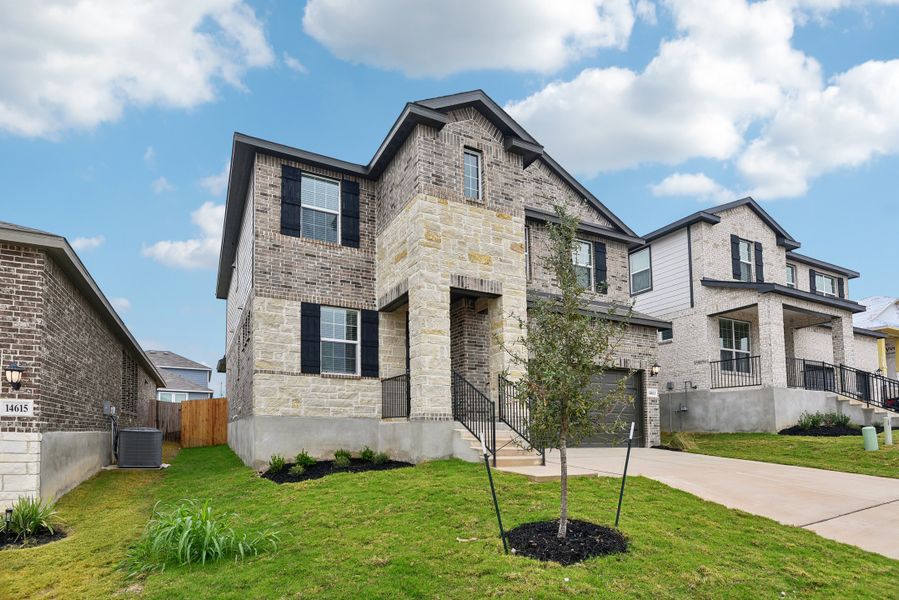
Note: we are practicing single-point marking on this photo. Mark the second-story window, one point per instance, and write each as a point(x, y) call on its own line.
point(321, 208)
point(472, 174)
point(339, 340)
point(641, 271)
point(745, 260)
point(791, 276)
point(582, 258)
point(825, 285)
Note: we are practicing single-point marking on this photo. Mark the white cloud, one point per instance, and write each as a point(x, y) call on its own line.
point(80, 63)
point(440, 38)
point(120, 304)
point(88, 243)
point(197, 253)
point(695, 185)
point(294, 64)
point(730, 70)
point(161, 185)
point(646, 11)
point(150, 156)
point(218, 183)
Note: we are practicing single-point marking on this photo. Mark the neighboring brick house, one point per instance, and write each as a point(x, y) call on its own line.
point(76, 354)
point(341, 278)
point(758, 330)
point(185, 379)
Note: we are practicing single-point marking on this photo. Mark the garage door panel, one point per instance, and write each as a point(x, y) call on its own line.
point(623, 411)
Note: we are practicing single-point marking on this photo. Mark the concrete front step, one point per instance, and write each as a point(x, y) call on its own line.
point(508, 454)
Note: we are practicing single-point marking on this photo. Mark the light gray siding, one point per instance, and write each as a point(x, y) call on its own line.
point(242, 278)
point(670, 277)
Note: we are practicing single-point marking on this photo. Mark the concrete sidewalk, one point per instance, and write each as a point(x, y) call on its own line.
point(854, 509)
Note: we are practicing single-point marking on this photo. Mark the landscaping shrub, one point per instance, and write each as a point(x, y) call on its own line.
point(276, 464)
point(342, 458)
point(380, 458)
point(367, 454)
point(192, 533)
point(296, 469)
point(833, 419)
point(31, 516)
point(809, 420)
point(304, 459)
point(682, 441)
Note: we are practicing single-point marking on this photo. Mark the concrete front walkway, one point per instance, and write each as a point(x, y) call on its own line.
point(854, 509)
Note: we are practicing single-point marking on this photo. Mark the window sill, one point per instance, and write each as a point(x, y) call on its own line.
point(663, 342)
point(340, 376)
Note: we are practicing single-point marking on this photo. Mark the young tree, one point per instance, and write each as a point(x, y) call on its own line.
point(563, 350)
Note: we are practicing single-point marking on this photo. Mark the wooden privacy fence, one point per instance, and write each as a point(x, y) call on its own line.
point(204, 422)
point(194, 422)
point(168, 420)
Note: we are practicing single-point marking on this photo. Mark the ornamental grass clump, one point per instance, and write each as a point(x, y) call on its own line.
point(31, 516)
point(304, 459)
point(342, 458)
point(192, 532)
point(276, 464)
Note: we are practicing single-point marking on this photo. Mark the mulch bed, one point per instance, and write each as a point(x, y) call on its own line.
point(9, 541)
point(824, 431)
point(584, 540)
point(665, 447)
point(323, 468)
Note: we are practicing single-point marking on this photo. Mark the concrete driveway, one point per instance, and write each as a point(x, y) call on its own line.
point(854, 509)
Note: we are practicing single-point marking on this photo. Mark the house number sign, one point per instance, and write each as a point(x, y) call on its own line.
point(17, 408)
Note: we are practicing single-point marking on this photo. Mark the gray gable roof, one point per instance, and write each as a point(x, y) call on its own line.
point(431, 112)
point(59, 249)
point(167, 358)
point(175, 382)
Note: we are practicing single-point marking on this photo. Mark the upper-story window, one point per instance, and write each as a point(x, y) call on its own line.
point(641, 271)
point(582, 258)
point(472, 175)
point(825, 285)
point(339, 340)
point(791, 276)
point(321, 208)
point(745, 260)
point(527, 252)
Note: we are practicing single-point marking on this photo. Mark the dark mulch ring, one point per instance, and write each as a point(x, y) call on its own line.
point(584, 540)
point(323, 468)
point(665, 447)
point(824, 431)
point(9, 541)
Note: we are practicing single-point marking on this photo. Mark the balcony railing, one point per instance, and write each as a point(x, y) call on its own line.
point(872, 388)
point(395, 397)
point(737, 372)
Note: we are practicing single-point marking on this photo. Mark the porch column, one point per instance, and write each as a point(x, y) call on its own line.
point(771, 342)
point(504, 330)
point(429, 347)
point(843, 341)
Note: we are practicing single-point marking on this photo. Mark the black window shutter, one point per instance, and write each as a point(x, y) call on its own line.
point(310, 338)
point(759, 264)
point(291, 202)
point(369, 342)
point(811, 281)
point(735, 256)
point(841, 288)
point(349, 213)
point(601, 272)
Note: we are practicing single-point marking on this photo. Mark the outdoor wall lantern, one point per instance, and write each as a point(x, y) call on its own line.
point(655, 369)
point(13, 374)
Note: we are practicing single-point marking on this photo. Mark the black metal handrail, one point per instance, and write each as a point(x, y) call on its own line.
point(516, 413)
point(736, 372)
point(871, 388)
point(395, 397)
point(475, 411)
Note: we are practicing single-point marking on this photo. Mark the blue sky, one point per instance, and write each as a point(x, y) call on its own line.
point(119, 134)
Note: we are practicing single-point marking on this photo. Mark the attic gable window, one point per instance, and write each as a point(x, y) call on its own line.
point(321, 208)
point(472, 174)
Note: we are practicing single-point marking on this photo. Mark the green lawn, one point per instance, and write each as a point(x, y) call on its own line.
point(832, 453)
point(398, 533)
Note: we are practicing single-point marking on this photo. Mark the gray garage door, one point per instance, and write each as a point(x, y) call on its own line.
point(624, 411)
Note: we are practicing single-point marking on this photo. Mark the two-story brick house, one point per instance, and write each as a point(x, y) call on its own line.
point(366, 304)
point(759, 332)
